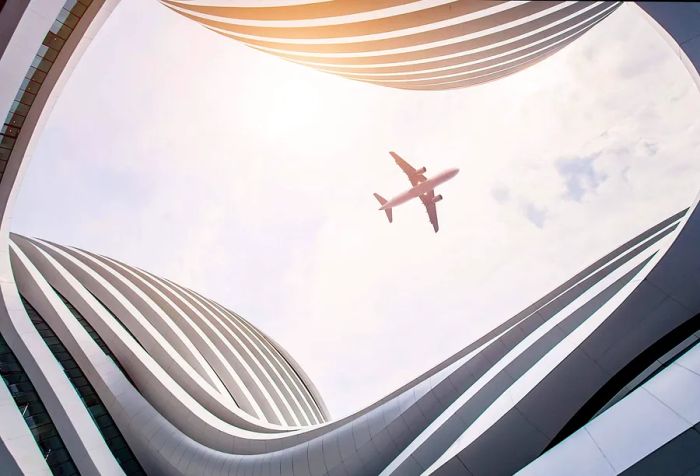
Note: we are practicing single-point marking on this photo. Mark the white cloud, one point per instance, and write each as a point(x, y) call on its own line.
point(580, 175)
point(536, 215)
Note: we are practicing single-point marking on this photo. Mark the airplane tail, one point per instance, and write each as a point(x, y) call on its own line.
point(382, 201)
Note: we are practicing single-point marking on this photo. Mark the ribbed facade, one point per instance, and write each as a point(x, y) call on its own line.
point(221, 361)
point(108, 369)
point(424, 45)
point(207, 384)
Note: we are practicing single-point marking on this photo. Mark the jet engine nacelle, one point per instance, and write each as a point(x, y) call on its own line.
point(420, 171)
point(437, 198)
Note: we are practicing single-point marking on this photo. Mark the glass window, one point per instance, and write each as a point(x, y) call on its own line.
point(35, 415)
point(85, 390)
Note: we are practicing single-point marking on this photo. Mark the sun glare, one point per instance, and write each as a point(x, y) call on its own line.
point(291, 108)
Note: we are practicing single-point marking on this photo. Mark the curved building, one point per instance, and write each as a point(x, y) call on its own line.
point(108, 369)
point(173, 382)
point(406, 45)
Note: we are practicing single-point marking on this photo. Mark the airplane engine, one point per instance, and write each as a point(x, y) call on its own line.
point(420, 171)
point(437, 198)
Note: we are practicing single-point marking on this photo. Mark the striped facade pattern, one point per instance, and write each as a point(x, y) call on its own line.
point(108, 369)
point(186, 380)
point(219, 359)
point(52, 44)
point(420, 45)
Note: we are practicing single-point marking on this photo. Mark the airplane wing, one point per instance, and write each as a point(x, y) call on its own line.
point(427, 199)
point(414, 175)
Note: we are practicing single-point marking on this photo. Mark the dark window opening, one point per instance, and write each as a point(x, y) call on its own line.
point(632, 376)
point(108, 429)
point(35, 415)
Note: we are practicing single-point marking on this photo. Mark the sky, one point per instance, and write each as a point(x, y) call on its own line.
point(250, 180)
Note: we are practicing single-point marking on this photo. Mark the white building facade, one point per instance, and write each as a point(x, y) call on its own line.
point(108, 369)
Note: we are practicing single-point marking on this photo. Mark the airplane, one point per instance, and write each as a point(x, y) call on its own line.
point(423, 188)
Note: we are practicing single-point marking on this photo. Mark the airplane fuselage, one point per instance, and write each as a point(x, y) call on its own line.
point(420, 189)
